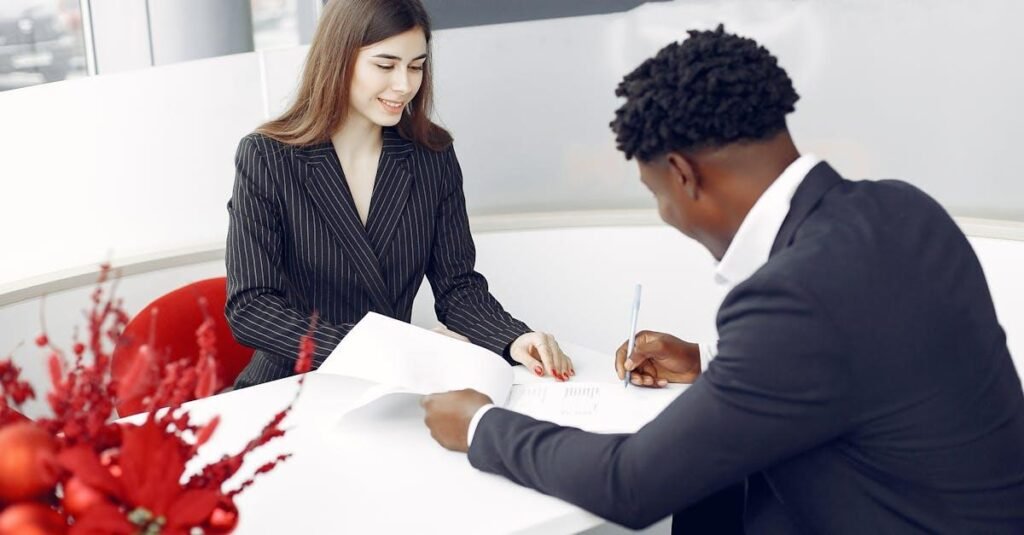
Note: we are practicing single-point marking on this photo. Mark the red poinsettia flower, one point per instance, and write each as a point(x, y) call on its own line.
point(151, 464)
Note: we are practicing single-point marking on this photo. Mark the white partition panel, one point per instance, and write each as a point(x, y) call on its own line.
point(123, 165)
point(282, 71)
point(120, 35)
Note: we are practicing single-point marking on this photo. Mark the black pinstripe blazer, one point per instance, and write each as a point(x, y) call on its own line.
point(296, 244)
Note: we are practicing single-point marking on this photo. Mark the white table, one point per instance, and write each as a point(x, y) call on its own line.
point(394, 480)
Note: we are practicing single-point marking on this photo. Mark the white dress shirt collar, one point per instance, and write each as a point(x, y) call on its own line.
point(753, 241)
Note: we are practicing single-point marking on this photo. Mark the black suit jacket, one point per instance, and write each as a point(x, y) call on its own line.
point(296, 244)
point(862, 382)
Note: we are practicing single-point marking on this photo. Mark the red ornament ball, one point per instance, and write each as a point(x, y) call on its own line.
point(31, 518)
point(79, 497)
point(28, 466)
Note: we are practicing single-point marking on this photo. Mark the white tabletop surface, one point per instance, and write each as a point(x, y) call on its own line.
point(396, 479)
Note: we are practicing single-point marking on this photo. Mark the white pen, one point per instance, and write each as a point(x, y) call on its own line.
point(632, 331)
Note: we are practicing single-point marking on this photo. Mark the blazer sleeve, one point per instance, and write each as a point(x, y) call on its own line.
point(775, 389)
point(461, 297)
point(256, 309)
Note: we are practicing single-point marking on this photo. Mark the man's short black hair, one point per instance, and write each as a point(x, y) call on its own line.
point(710, 90)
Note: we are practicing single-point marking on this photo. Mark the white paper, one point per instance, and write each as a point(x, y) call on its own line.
point(410, 359)
point(404, 359)
point(597, 407)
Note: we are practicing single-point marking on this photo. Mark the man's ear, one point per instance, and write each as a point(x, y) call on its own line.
point(681, 169)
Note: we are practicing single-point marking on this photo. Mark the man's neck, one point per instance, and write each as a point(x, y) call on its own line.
point(741, 173)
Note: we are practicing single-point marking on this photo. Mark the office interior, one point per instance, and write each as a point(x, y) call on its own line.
point(118, 137)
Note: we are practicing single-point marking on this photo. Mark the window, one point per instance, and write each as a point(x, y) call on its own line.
point(40, 41)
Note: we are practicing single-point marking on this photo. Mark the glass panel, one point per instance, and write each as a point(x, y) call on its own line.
point(40, 41)
point(274, 23)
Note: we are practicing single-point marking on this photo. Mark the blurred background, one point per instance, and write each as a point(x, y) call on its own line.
point(45, 40)
point(119, 120)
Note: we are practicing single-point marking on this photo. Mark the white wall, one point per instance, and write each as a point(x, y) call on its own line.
point(922, 91)
point(121, 165)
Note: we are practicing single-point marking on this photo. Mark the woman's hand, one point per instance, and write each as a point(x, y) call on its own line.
point(540, 353)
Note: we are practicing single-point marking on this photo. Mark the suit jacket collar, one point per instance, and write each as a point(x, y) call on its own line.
point(819, 181)
point(325, 181)
point(390, 190)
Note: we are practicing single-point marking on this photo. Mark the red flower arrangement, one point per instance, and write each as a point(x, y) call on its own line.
point(81, 472)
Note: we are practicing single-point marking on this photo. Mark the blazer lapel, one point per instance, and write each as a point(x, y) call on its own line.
point(819, 180)
point(390, 191)
point(324, 180)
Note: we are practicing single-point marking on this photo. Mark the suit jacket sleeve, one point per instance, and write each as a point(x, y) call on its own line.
point(256, 310)
point(461, 297)
point(775, 389)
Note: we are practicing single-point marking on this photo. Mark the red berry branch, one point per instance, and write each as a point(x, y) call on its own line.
point(82, 471)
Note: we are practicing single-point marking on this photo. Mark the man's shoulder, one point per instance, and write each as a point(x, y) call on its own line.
point(861, 237)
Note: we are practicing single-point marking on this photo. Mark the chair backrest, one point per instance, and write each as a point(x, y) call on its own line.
point(178, 315)
point(12, 416)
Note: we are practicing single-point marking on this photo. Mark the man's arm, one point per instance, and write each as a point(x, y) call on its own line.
point(774, 390)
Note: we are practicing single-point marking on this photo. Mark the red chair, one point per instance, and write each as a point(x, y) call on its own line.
point(12, 416)
point(179, 314)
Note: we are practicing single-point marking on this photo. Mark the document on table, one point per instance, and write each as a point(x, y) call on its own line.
point(405, 359)
point(597, 407)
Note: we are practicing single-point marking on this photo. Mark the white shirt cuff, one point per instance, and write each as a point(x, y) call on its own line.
point(476, 419)
point(707, 353)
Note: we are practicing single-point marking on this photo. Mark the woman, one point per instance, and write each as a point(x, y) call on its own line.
point(344, 203)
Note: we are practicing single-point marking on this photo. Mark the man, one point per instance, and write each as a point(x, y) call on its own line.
point(862, 383)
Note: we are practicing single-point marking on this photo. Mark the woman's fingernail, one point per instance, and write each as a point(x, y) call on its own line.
point(539, 371)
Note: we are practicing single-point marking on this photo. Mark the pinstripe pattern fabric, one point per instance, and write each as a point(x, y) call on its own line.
point(296, 244)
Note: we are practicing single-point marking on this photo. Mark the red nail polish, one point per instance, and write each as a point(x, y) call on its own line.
point(539, 371)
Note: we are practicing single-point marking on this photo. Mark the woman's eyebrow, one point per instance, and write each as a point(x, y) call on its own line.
point(394, 57)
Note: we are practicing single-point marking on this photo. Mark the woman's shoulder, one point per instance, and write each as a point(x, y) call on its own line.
point(398, 140)
point(264, 144)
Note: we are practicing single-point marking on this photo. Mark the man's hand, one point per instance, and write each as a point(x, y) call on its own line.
point(540, 353)
point(659, 359)
point(449, 414)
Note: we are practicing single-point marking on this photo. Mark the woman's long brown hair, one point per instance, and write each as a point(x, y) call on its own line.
point(322, 101)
